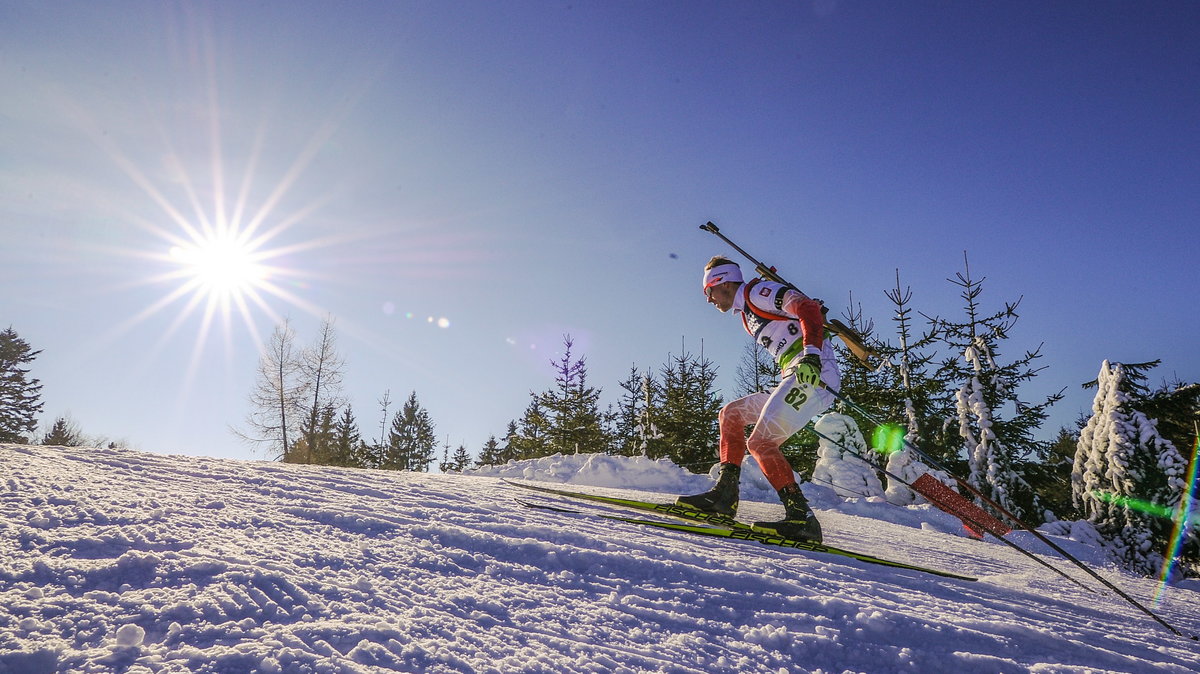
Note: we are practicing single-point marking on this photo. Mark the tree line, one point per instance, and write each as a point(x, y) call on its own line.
point(670, 412)
point(298, 414)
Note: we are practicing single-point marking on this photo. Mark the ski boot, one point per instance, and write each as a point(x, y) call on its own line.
point(798, 523)
point(722, 499)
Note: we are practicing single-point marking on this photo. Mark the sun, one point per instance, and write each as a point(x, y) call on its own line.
point(222, 266)
point(230, 240)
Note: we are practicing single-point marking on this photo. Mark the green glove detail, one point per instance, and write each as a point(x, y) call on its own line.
point(808, 370)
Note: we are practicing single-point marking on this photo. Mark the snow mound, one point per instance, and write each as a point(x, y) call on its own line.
point(625, 472)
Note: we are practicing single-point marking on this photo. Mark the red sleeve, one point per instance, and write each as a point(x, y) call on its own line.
point(808, 312)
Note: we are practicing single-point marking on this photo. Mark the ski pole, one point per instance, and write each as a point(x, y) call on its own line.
point(849, 336)
point(963, 516)
point(1016, 520)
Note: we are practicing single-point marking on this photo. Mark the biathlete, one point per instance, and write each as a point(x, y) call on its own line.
point(791, 327)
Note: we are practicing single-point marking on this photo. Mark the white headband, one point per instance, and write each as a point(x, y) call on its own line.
point(722, 273)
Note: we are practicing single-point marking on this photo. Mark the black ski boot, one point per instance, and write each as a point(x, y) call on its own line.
point(722, 499)
point(798, 523)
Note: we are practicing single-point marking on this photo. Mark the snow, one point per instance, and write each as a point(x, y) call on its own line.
point(117, 560)
point(838, 463)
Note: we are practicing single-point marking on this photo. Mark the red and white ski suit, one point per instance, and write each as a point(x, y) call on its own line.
point(788, 324)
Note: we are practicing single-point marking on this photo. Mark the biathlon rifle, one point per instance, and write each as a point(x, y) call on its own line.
point(848, 335)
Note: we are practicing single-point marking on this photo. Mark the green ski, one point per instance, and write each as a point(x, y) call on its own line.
point(739, 531)
point(671, 509)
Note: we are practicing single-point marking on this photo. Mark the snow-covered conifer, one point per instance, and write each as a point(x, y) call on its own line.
point(1127, 479)
point(995, 426)
point(839, 462)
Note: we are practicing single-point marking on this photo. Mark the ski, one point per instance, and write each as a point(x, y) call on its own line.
point(734, 530)
point(672, 509)
point(748, 534)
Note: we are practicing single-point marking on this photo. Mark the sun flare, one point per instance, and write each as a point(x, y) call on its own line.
point(221, 266)
point(225, 242)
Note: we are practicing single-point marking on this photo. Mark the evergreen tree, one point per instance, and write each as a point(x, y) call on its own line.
point(64, 433)
point(636, 432)
point(412, 444)
point(924, 398)
point(687, 420)
point(1127, 479)
point(456, 462)
point(276, 397)
point(649, 438)
point(576, 423)
point(460, 459)
point(629, 409)
point(994, 444)
point(20, 395)
point(508, 451)
point(921, 399)
point(529, 439)
point(346, 446)
point(490, 454)
point(1050, 475)
point(870, 387)
point(315, 445)
point(1175, 405)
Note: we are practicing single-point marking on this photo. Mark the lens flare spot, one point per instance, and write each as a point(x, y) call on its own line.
point(887, 439)
point(1135, 504)
point(1184, 521)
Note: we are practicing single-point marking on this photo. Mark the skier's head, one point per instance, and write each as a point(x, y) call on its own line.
point(721, 279)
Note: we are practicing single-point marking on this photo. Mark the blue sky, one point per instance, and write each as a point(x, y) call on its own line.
point(528, 169)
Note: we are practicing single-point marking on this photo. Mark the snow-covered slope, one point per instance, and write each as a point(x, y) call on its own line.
point(115, 560)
